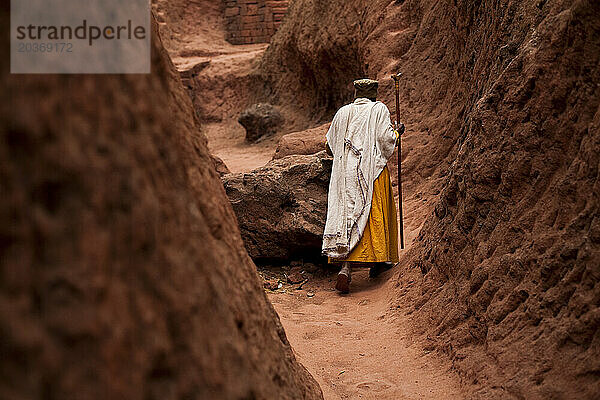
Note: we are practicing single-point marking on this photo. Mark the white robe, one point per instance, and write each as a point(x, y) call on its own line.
point(362, 140)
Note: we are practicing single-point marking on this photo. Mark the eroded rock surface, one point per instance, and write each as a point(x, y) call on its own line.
point(310, 141)
point(260, 120)
point(281, 207)
point(314, 57)
point(214, 71)
point(123, 273)
point(220, 166)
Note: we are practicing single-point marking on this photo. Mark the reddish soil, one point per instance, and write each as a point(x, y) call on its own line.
point(227, 141)
point(363, 334)
point(356, 346)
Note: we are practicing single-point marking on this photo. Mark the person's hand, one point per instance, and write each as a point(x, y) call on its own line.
point(399, 128)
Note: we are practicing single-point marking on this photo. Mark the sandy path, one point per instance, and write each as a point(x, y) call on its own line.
point(226, 140)
point(356, 347)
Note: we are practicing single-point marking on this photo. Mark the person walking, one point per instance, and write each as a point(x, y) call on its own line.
point(361, 227)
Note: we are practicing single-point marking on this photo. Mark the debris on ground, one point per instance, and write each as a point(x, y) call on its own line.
point(272, 284)
point(260, 120)
point(295, 275)
point(302, 284)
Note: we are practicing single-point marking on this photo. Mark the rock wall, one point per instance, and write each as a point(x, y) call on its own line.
point(313, 59)
point(519, 312)
point(183, 33)
point(501, 103)
point(123, 274)
point(253, 21)
point(309, 141)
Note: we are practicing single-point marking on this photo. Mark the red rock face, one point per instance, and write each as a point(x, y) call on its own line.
point(310, 141)
point(502, 110)
point(123, 274)
point(313, 59)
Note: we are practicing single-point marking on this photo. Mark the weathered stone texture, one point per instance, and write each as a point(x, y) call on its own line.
point(260, 120)
point(281, 207)
point(310, 141)
point(123, 274)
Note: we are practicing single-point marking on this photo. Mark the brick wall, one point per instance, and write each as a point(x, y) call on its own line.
point(253, 21)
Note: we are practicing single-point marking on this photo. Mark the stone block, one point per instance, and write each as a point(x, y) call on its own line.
point(232, 11)
point(250, 19)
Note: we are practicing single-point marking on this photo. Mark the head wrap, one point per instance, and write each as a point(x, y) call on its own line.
point(365, 88)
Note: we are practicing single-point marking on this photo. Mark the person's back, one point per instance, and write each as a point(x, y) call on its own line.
point(361, 227)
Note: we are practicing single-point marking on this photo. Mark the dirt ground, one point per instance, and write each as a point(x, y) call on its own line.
point(228, 67)
point(355, 345)
point(226, 136)
point(226, 140)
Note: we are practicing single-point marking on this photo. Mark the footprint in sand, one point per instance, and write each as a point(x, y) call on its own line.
point(374, 386)
point(340, 309)
point(312, 335)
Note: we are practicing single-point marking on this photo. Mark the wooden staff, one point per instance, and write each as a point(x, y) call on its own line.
point(396, 79)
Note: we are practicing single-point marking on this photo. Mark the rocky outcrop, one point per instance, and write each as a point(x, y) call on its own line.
point(123, 274)
point(281, 207)
point(220, 166)
point(214, 71)
point(313, 58)
point(519, 207)
point(502, 112)
point(260, 120)
point(182, 30)
point(189, 75)
point(310, 141)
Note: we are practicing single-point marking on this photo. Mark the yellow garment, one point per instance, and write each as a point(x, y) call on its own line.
point(379, 242)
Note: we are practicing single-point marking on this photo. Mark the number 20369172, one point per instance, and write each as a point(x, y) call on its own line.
point(45, 47)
